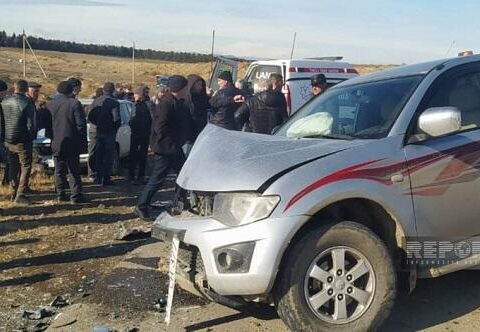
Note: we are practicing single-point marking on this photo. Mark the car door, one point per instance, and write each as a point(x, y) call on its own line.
point(124, 132)
point(223, 64)
point(444, 171)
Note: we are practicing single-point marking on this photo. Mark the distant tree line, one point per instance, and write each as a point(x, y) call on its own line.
point(110, 50)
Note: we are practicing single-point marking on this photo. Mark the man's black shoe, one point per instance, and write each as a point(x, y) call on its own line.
point(62, 198)
point(78, 200)
point(142, 214)
point(22, 199)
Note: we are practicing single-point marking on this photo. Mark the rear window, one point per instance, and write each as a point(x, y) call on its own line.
point(261, 72)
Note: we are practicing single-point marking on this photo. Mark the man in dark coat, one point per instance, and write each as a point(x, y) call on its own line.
point(265, 110)
point(172, 128)
point(225, 102)
point(18, 130)
point(105, 115)
point(199, 105)
point(3, 150)
point(140, 123)
point(69, 128)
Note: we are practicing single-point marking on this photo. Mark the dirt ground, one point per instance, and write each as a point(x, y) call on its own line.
point(50, 248)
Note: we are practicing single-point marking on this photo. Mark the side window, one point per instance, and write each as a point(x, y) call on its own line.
point(463, 92)
point(261, 72)
point(124, 114)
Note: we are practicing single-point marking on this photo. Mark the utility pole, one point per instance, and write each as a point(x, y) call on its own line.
point(24, 57)
point(25, 40)
point(293, 46)
point(133, 63)
point(213, 57)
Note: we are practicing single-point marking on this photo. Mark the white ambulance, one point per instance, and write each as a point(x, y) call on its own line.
point(296, 74)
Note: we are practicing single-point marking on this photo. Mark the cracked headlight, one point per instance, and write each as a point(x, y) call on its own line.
point(234, 209)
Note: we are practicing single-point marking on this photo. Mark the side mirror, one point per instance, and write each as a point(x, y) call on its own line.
point(439, 121)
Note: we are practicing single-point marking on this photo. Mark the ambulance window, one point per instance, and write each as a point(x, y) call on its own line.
point(261, 72)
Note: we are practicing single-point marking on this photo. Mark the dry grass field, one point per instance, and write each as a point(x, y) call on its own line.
point(95, 70)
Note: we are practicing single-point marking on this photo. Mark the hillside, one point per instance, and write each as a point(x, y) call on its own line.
point(95, 70)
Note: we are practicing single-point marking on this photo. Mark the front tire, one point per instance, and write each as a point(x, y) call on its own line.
point(336, 278)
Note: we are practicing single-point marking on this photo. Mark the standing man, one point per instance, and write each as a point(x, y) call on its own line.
point(225, 102)
point(18, 130)
point(171, 128)
point(119, 92)
point(3, 151)
point(140, 123)
point(319, 84)
point(105, 115)
point(77, 86)
point(69, 129)
point(34, 91)
point(266, 110)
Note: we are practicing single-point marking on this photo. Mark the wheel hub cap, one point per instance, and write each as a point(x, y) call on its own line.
point(339, 285)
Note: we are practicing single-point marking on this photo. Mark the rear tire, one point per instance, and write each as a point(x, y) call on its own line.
point(311, 294)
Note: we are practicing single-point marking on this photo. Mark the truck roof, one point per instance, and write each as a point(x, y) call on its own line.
point(409, 70)
point(315, 63)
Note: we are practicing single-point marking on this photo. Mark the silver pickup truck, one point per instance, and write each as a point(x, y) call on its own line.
point(366, 188)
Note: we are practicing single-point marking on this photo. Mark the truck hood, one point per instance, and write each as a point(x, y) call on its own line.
point(224, 160)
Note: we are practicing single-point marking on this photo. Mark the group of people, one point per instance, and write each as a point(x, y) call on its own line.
point(168, 124)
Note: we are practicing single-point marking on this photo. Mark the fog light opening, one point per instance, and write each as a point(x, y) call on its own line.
point(234, 258)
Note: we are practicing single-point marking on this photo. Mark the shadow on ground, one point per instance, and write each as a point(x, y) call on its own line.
point(74, 255)
point(437, 301)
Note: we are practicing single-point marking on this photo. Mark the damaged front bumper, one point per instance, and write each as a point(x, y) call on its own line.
point(228, 261)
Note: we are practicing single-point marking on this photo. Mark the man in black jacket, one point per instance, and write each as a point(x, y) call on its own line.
point(140, 123)
point(105, 115)
point(18, 129)
point(225, 102)
point(3, 150)
point(172, 127)
point(266, 110)
point(69, 128)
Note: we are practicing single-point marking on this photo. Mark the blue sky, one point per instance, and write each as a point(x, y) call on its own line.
point(369, 31)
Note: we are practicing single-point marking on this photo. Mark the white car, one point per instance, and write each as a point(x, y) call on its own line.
point(43, 149)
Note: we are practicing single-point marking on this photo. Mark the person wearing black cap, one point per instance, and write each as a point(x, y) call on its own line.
point(172, 128)
point(225, 102)
point(140, 124)
point(319, 84)
point(69, 127)
point(3, 151)
point(18, 130)
point(105, 115)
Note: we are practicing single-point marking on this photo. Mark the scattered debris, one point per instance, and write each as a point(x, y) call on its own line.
point(60, 301)
point(40, 313)
point(134, 233)
point(102, 329)
point(133, 329)
point(160, 303)
point(114, 315)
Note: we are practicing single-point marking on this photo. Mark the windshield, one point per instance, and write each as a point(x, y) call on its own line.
point(361, 111)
